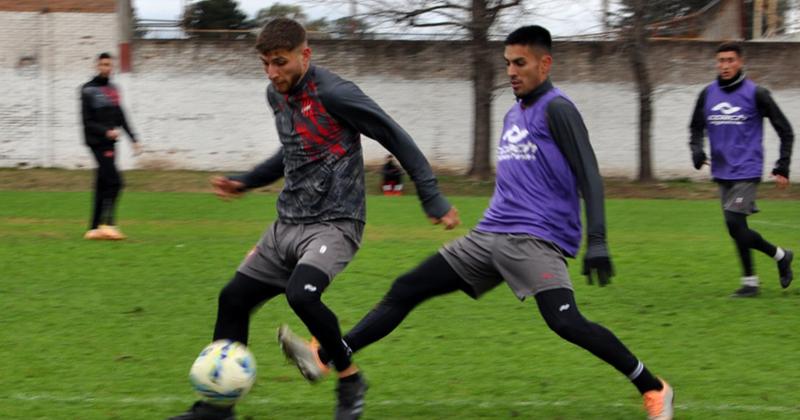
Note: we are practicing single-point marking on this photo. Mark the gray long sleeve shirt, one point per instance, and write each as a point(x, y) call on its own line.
point(320, 122)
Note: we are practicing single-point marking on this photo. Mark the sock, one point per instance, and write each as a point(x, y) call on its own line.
point(352, 378)
point(644, 380)
point(750, 281)
point(779, 254)
point(323, 355)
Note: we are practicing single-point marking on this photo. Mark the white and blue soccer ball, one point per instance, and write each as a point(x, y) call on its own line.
point(224, 372)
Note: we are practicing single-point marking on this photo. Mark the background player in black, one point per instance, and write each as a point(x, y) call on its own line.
point(392, 177)
point(102, 118)
point(321, 209)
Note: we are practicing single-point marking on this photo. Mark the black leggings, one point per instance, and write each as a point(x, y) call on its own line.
point(107, 186)
point(243, 294)
point(435, 277)
point(746, 239)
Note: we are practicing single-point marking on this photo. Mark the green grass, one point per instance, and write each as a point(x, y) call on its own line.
point(95, 330)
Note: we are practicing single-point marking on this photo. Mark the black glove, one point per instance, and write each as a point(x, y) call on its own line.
point(698, 159)
point(598, 261)
point(781, 170)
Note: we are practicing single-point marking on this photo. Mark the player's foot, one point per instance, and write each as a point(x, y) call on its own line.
point(94, 235)
point(204, 411)
point(112, 232)
point(659, 403)
point(350, 398)
point(302, 353)
point(746, 292)
point(785, 268)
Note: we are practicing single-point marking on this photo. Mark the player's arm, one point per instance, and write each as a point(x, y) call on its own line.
point(353, 107)
point(570, 135)
point(263, 174)
point(697, 132)
point(125, 126)
point(768, 108)
point(87, 114)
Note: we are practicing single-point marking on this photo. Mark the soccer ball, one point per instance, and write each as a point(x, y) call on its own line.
point(223, 372)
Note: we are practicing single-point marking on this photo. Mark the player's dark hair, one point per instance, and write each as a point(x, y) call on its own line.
point(730, 46)
point(532, 36)
point(103, 56)
point(280, 34)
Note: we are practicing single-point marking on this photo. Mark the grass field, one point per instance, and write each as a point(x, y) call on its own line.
point(96, 330)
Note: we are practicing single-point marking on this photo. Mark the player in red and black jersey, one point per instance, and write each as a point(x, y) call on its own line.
point(102, 118)
point(320, 118)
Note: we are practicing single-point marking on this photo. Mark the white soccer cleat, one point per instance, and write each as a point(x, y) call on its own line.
point(303, 354)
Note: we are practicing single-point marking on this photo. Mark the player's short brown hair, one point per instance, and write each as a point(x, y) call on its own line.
point(280, 34)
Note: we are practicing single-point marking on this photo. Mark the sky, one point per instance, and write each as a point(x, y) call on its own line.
point(561, 17)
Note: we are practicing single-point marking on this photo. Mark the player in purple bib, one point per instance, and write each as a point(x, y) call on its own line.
point(731, 110)
point(544, 159)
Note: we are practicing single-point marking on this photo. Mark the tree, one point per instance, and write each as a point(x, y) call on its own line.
point(214, 14)
point(473, 19)
point(280, 10)
point(637, 40)
point(291, 11)
point(636, 21)
point(349, 26)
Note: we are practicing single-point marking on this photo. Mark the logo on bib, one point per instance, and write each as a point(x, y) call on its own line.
point(512, 146)
point(726, 108)
point(727, 115)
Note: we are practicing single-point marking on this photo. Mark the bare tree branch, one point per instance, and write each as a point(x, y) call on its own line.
point(503, 5)
point(493, 11)
point(432, 24)
point(413, 13)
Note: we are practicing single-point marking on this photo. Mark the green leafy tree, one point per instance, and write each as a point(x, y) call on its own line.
point(214, 14)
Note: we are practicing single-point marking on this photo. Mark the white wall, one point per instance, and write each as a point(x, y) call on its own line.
point(44, 57)
point(214, 117)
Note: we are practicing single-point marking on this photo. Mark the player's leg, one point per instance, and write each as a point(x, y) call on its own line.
point(323, 250)
point(99, 190)
point(747, 239)
point(738, 202)
point(236, 302)
point(434, 277)
point(464, 264)
point(560, 312)
point(431, 278)
point(108, 186)
point(260, 277)
point(115, 184)
point(535, 267)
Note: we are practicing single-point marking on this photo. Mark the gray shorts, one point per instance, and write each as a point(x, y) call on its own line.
point(328, 246)
point(528, 265)
point(739, 196)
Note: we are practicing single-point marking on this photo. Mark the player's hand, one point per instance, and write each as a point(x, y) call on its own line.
point(450, 219)
point(226, 188)
point(597, 262)
point(112, 134)
point(699, 159)
point(781, 182)
point(137, 149)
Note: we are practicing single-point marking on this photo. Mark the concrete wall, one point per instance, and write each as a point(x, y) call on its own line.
point(200, 104)
point(44, 57)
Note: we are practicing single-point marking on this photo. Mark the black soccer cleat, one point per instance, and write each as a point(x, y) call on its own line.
point(746, 292)
point(350, 399)
point(205, 411)
point(785, 268)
